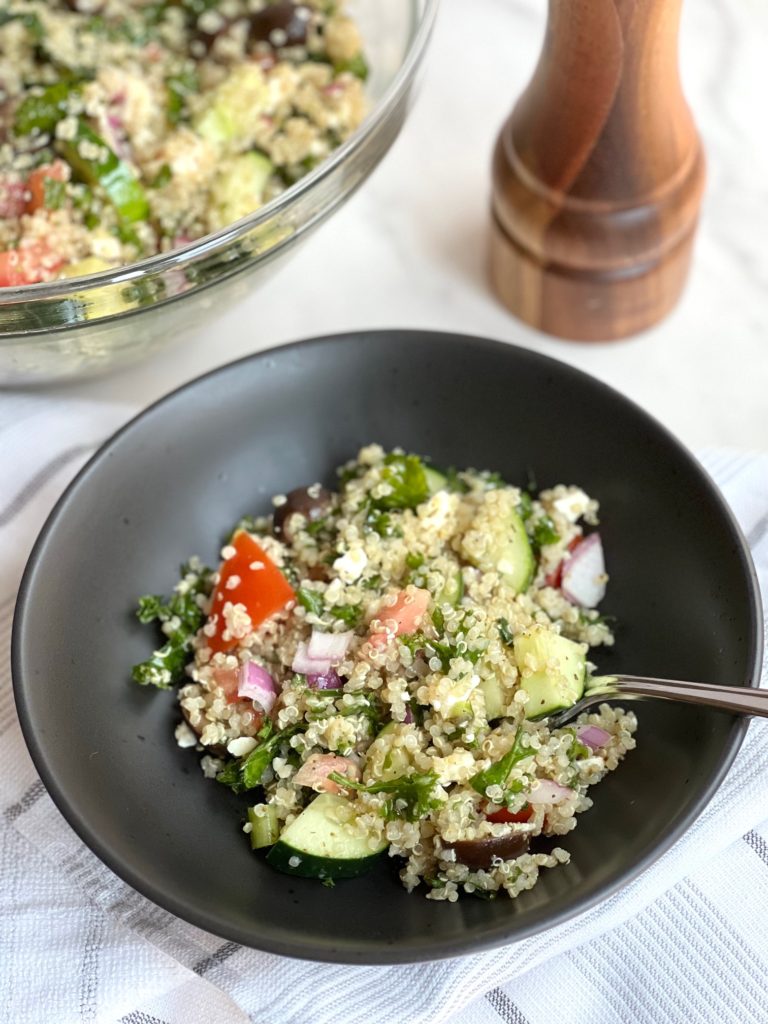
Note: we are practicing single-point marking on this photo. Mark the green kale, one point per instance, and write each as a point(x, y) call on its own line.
point(349, 614)
point(412, 796)
point(357, 66)
point(310, 600)
point(180, 87)
point(544, 532)
point(498, 773)
point(505, 632)
point(525, 506)
point(407, 480)
point(246, 773)
point(414, 560)
point(166, 665)
point(163, 177)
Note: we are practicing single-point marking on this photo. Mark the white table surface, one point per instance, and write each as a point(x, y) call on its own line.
point(409, 249)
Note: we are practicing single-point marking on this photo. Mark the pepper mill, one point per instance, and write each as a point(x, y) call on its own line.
point(598, 175)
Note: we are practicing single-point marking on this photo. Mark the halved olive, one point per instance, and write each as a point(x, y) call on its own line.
point(311, 502)
point(281, 24)
point(478, 853)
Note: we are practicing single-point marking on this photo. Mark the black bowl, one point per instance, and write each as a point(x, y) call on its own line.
point(172, 482)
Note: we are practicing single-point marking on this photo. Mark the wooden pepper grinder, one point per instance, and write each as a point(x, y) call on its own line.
point(598, 175)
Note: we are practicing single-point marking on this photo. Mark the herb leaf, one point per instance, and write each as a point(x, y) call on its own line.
point(166, 665)
point(498, 773)
point(507, 637)
point(416, 791)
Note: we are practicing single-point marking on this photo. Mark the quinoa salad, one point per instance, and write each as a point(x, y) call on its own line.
point(129, 128)
point(374, 667)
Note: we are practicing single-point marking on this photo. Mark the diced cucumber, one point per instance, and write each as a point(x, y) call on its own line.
point(384, 760)
point(512, 556)
point(234, 108)
point(265, 827)
point(238, 188)
point(552, 670)
point(507, 549)
point(326, 842)
point(496, 700)
point(453, 590)
point(436, 481)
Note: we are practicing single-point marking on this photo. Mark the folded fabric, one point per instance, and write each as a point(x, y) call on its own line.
point(686, 941)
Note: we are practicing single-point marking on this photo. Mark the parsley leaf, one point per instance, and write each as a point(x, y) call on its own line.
point(505, 632)
point(416, 792)
point(498, 773)
point(166, 665)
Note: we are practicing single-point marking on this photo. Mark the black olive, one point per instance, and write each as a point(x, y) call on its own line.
point(312, 502)
point(86, 6)
point(478, 853)
point(281, 24)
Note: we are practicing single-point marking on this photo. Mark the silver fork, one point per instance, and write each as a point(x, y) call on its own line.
point(739, 700)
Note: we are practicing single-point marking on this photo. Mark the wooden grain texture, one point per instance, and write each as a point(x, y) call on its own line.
point(598, 174)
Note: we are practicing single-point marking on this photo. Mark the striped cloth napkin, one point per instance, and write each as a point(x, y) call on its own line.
point(686, 942)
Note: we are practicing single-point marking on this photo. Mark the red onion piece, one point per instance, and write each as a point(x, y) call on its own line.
point(583, 581)
point(408, 720)
point(329, 680)
point(329, 647)
point(593, 736)
point(257, 684)
point(12, 199)
point(305, 665)
point(545, 791)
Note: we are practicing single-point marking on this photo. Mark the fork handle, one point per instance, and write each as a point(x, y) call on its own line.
point(737, 699)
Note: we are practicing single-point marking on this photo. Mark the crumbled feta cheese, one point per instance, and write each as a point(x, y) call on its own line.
point(241, 746)
point(350, 566)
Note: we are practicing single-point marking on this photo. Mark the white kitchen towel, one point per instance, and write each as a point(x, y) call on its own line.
point(686, 942)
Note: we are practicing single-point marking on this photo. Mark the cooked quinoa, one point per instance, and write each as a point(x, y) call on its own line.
point(129, 128)
point(381, 654)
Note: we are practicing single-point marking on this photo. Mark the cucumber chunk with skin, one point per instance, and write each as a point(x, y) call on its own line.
point(497, 541)
point(552, 670)
point(496, 700)
point(453, 590)
point(265, 826)
point(326, 841)
point(238, 188)
point(232, 115)
point(435, 480)
point(386, 761)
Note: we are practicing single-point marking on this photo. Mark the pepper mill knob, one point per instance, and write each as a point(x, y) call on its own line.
point(598, 175)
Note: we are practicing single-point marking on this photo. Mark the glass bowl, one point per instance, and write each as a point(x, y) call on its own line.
point(83, 326)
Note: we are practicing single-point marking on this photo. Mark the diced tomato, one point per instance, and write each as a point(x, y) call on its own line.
point(12, 198)
point(503, 815)
point(28, 264)
point(555, 578)
point(316, 769)
point(57, 171)
point(249, 578)
point(406, 613)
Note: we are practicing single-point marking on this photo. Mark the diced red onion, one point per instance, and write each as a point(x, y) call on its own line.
point(545, 791)
point(328, 646)
point(329, 680)
point(257, 684)
point(309, 666)
point(583, 579)
point(408, 720)
point(12, 199)
point(593, 736)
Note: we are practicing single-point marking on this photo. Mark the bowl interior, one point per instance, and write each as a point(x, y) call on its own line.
point(172, 483)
